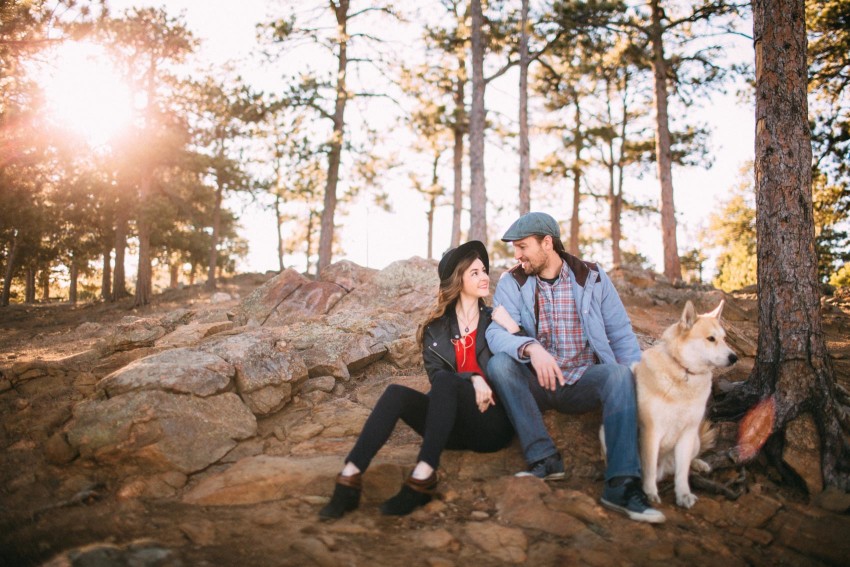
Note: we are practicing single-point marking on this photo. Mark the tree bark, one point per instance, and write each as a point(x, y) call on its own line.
point(477, 189)
point(119, 286)
point(664, 157)
point(524, 146)
point(326, 237)
point(44, 281)
point(74, 273)
point(173, 275)
point(144, 275)
point(106, 274)
point(792, 365)
point(10, 270)
point(460, 128)
point(29, 296)
point(216, 234)
point(279, 221)
point(578, 142)
point(310, 219)
point(432, 204)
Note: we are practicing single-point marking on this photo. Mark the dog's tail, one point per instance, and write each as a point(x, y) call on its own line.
point(707, 436)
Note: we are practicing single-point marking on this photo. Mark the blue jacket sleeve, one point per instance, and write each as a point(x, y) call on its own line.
point(500, 340)
point(618, 326)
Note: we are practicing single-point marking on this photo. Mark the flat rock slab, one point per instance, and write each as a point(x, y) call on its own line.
point(183, 371)
point(157, 431)
point(264, 478)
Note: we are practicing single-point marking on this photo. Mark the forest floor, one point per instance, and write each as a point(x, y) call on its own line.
point(46, 510)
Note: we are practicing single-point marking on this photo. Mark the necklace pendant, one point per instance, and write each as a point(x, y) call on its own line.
point(466, 330)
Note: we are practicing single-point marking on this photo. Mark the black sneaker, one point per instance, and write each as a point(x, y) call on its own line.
point(630, 499)
point(550, 468)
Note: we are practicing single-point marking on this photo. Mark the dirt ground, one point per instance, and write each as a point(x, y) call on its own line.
point(46, 510)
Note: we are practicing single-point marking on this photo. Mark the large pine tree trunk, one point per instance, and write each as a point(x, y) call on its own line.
point(278, 223)
point(10, 270)
point(792, 366)
point(578, 141)
point(477, 188)
point(432, 204)
point(326, 237)
point(524, 146)
point(664, 157)
point(457, 157)
point(74, 274)
point(119, 282)
point(44, 281)
point(144, 276)
point(216, 234)
point(30, 285)
point(106, 274)
point(309, 240)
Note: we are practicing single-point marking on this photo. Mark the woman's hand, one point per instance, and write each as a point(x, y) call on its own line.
point(501, 316)
point(483, 393)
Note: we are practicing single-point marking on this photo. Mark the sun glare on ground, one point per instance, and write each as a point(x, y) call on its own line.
point(86, 94)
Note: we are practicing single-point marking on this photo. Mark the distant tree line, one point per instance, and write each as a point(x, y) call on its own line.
point(601, 89)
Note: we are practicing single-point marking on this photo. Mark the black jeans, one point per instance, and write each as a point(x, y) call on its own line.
point(446, 418)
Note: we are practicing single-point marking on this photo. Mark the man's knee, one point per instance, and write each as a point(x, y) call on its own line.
point(501, 368)
point(620, 384)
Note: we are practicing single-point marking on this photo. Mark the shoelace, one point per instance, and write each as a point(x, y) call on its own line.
point(634, 490)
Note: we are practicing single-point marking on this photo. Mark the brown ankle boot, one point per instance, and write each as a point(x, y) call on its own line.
point(346, 497)
point(414, 493)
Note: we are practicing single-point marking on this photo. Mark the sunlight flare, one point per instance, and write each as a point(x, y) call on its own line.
point(85, 93)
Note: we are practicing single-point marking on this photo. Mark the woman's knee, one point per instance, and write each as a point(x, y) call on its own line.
point(395, 394)
point(445, 382)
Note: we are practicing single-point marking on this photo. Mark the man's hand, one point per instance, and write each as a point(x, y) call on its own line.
point(483, 393)
point(549, 374)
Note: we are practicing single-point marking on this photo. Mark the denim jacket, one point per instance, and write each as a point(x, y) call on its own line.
point(438, 351)
point(603, 317)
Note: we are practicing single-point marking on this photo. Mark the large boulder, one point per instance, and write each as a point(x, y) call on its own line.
point(181, 371)
point(406, 286)
point(311, 300)
point(347, 275)
point(192, 334)
point(290, 297)
point(266, 375)
point(262, 302)
point(156, 431)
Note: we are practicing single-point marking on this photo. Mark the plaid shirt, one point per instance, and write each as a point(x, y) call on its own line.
point(559, 329)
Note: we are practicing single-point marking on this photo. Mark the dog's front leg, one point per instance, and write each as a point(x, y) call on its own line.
point(649, 446)
point(684, 453)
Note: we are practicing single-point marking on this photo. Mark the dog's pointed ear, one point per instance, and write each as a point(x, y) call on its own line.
point(717, 310)
point(689, 317)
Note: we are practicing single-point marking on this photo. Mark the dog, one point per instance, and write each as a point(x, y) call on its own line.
point(673, 380)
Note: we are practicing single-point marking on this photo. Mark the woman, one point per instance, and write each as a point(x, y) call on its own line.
point(459, 412)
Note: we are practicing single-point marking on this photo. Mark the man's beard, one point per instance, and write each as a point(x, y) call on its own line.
point(531, 270)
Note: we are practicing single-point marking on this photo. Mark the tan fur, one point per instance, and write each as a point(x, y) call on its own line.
point(673, 385)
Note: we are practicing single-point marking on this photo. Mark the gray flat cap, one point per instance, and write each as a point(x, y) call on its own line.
point(532, 223)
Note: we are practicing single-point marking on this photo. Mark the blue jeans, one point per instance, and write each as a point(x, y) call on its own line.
point(610, 385)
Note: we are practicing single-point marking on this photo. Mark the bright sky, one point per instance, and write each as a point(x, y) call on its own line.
point(375, 238)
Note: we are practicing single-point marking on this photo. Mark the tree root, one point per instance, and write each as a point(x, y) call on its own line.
point(732, 490)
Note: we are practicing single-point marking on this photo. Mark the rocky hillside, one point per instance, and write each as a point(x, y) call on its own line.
point(207, 430)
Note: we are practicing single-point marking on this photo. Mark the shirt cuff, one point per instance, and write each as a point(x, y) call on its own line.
point(521, 354)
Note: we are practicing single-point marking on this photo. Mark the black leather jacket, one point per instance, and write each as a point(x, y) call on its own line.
point(439, 352)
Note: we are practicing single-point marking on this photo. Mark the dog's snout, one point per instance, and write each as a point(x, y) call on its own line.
point(733, 358)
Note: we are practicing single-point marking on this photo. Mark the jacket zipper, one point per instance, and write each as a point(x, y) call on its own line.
point(452, 366)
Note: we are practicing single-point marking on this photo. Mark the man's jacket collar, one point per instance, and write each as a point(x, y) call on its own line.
point(577, 266)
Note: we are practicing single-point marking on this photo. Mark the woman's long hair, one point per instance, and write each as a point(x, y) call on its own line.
point(447, 295)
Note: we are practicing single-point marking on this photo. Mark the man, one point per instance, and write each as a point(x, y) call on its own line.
point(572, 354)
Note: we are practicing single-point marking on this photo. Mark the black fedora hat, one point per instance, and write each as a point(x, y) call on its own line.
point(450, 259)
